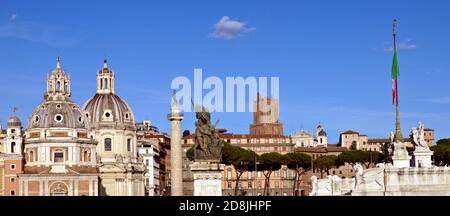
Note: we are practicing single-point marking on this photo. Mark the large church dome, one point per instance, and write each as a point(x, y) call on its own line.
point(57, 109)
point(106, 109)
point(57, 114)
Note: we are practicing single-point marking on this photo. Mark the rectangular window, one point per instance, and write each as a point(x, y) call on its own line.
point(250, 175)
point(229, 174)
point(13, 192)
point(277, 184)
point(250, 185)
point(284, 173)
point(238, 141)
point(147, 162)
point(108, 144)
point(229, 185)
point(58, 157)
point(129, 145)
point(257, 141)
point(12, 180)
point(259, 174)
point(259, 184)
point(275, 173)
point(267, 140)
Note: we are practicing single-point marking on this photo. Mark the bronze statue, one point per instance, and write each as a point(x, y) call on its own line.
point(208, 145)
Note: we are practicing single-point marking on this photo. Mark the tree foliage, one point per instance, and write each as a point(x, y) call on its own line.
point(441, 152)
point(357, 156)
point(325, 163)
point(298, 162)
point(241, 159)
point(269, 162)
point(443, 142)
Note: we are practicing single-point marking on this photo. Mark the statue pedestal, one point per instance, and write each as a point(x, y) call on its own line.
point(207, 178)
point(400, 158)
point(422, 157)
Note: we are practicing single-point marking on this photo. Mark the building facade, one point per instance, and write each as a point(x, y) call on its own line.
point(354, 140)
point(153, 147)
point(305, 139)
point(59, 153)
point(113, 126)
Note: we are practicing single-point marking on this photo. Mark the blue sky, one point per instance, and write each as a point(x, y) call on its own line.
point(333, 57)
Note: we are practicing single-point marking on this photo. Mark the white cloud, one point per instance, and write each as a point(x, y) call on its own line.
point(227, 28)
point(13, 17)
point(438, 100)
point(407, 44)
point(404, 45)
point(54, 36)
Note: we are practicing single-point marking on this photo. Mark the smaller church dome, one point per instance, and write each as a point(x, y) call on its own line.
point(14, 121)
point(106, 109)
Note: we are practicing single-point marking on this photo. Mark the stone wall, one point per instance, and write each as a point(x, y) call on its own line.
point(386, 180)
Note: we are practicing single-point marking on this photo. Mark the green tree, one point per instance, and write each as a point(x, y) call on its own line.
point(325, 163)
point(298, 162)
point(269, 162)
point(441, 152)
point(367, 158)
point(241, 159)
point(445, 142)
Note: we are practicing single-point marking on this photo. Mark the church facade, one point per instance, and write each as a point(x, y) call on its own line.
point(113, 126)
point(67, 150)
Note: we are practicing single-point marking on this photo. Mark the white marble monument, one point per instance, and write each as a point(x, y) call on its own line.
point(422, 153)
point(207, 178)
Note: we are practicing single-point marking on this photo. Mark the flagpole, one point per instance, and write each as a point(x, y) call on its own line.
point(398, 137)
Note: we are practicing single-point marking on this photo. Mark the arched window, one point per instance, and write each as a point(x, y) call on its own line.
point(13, 147)
point(31, 159)
point(58, 86)
point(108, 144)
point(65, 86)
point(86, 156)
point(105, 86)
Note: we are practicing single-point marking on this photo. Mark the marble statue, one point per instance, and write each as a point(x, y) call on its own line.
point(418, 137)
point(370, 179)
point(314, 186)
point(208, 145)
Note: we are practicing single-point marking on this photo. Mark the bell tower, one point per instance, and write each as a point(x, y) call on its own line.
point(105, 80)
point(14, 135)
point(13, 160)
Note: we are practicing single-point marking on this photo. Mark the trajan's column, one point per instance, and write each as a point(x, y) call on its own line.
point(176, 173)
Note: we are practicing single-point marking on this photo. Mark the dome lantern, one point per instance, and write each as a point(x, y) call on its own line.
point(105, 80)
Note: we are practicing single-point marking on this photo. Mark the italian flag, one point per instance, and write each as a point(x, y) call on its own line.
point(395, 74)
